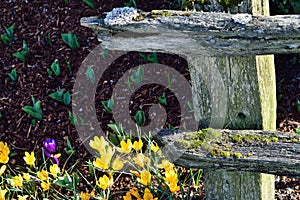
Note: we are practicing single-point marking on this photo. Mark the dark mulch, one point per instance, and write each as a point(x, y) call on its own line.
point(35, 22)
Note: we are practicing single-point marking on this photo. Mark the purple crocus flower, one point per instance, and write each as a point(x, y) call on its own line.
point(50, 148)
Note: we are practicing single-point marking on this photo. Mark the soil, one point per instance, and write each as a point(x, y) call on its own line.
point(40, 24)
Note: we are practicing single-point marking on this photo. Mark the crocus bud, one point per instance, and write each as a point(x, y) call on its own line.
point(49, 149)
point(49, 145)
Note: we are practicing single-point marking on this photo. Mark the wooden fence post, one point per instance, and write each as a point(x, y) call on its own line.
point(225, 185)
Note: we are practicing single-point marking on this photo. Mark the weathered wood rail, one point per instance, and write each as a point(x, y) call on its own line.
point(236, 150)
point(202, 33)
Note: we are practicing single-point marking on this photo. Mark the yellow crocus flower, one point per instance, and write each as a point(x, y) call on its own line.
point(4, 152)
point(145, 177)
point(99, 144)
point(127, 197)
point(29, 158)
point(154, 148)
point(117, 164)
point(54, 170)
point(22, 197)
point(125, 146)
point(84, 196)
point(2, 194)
point(103, 182)
point(174, 187)
point(26, 176)
point(148, 195)
point(140, 159)
point(45, 185)
point(43, 175)
point(166, 164)
point(2, 169)
point(17, 181)
point(135, 192)
point(137, 145)
point(171, 176)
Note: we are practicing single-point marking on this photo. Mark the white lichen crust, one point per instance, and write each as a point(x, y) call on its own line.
point(242, 18)
point(120, 16)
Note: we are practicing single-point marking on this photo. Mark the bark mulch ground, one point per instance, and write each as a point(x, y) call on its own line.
point(40, 24)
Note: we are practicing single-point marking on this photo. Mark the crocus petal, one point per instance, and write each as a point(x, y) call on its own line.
point(50, 145)
point(55, 160)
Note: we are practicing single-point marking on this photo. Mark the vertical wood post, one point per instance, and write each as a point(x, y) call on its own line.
point(251, 104)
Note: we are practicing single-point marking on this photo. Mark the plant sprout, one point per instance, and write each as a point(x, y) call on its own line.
point(13, 75)
point(22, 54)
point(8, 36)
point(90, 3)
point(108, 104)
point(59, 95)
point(90, 74)
point(140, 118)
point(71, 40)
point(162, 99)
point(35, 110)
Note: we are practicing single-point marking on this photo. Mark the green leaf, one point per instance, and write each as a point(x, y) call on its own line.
point(30, 111)
point(163, 100)
point(108, 104)
point(8, 37)
point(19, 56)
point(114, 139)
point(90, 3)
point(138, 76)
point(117, 129)
point(71, 40)
point(13, 75)
point(298, 106)
point(37, 106)
point(55, 68)
point(73, 119)
point(67, 98)
point(140, 118)
point(90, 74)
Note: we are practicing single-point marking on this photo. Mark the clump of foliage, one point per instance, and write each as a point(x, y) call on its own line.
point(284, 7)
point(8, 36)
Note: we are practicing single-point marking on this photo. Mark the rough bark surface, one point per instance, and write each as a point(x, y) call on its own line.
point(281, 157)
point(199, 33)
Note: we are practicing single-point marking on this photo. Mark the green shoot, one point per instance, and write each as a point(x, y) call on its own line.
point(90, 3)
point(90, 74)
point(69, 65)
point(297, 130)
point(13, 75)
point(8, 36)
point(49, 40)
point(298, 106)
point(191, 106)
point(69, 149)
point(117, 129)
point(22, 54)
point(1, 115)
point(118, 135)
point(140, 118)
point(55, 69)
point(35, 110)
point(59, 95)
point(162, 99)
point(138, 76)
point(170, 81)
point(108, 104)
point(71, 40)
point(150, 58)
point(73, 119)
point(131, 3)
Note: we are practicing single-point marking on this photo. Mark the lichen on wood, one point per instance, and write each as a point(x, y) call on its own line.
point(239, 150)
